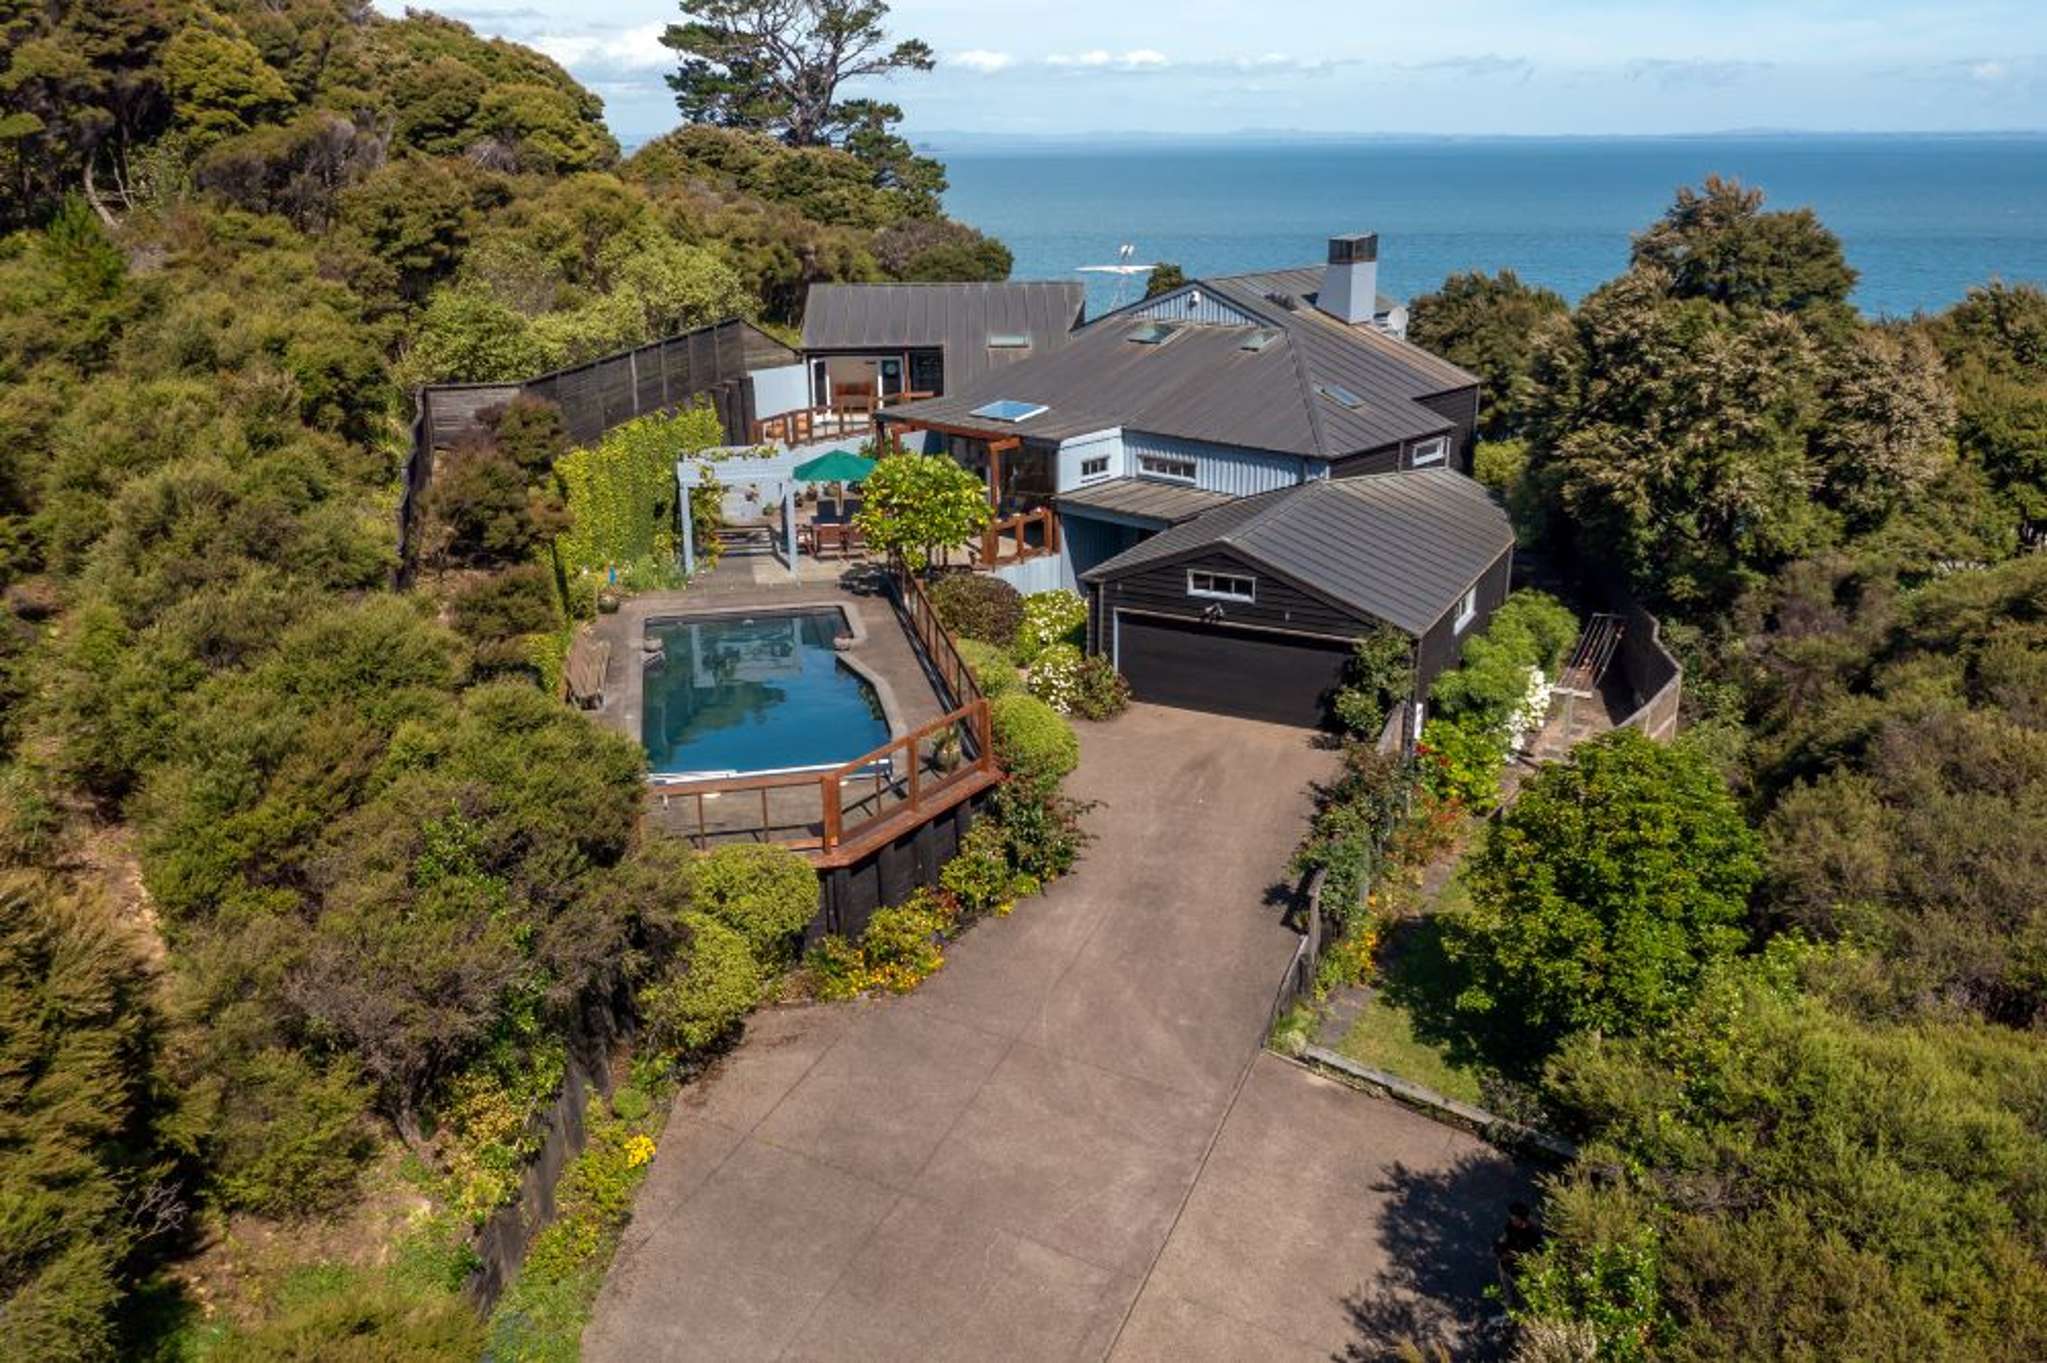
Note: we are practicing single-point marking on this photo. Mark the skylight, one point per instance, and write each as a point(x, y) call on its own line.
point(1009, 409)
point(1009, 340)
point(1259, 339)
point(1340, 395)
point(1155, 333)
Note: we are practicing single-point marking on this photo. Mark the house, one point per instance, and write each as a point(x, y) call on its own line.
point(869, 344)
point(1251, 608)
point(1220, 389)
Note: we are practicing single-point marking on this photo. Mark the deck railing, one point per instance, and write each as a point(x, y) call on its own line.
point(1010, 540)
point(931, 635)
point(806, 425)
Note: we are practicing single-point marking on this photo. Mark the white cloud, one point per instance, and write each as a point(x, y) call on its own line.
point(632, 49)
point(1989, 72)
point(1100, 58)
point(1095, 57)
point(1145, 57)
point(982, 60)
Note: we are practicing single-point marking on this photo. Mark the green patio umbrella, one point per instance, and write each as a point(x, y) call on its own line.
point(839, 466)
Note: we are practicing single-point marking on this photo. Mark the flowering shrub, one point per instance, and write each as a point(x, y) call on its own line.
point(1527, 717)
point(978, 876)
point(1048, 618)
point(1054, 677)
point(1100, 691)
point(1461, 761)
point(837, 970)
point(897, 952)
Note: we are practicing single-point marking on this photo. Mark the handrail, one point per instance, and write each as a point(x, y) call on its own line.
point(931, 632)
point(1018, 527)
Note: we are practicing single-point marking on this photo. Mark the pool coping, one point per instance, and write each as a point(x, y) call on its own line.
point(680, 607)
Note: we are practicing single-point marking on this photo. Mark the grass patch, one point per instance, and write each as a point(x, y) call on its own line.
point(1409, 1027)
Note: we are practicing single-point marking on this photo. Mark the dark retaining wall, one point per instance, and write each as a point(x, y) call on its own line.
point(848, 897)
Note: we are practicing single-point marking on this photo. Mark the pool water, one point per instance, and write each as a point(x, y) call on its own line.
point(755, 693)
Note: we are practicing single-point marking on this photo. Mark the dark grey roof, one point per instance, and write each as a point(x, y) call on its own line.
point(1204, 385)
point(1146, 498)
point(1398, 547)
point(957, 317)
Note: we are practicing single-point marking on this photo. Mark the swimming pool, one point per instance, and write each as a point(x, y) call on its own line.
point(761, 692)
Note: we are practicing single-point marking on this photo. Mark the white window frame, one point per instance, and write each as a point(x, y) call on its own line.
point(1147, 465)
point(1467, 611)
point(1215, 591)
point(1433, 451)
point(1094, 467)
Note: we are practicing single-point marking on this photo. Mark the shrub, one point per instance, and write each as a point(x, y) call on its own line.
point(1378, 677)
point(899, 949)
point(767, 894)
point(976, 606)
point(1099, 692)
point(1049, 618)
point(520, 600)
point(292, 1135)
point(1054, 677)
point(837, 970)
point(712, 989)
point(1606, 890)
point(1033, 743)
point(1490, 686)
point(1461, 762)
point(978, 874)
point(1499, 464)
point(916, 504)
point(1353, 817)
point(993, 672)
point(1040, 829)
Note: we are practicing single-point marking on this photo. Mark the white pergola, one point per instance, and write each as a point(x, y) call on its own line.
point(777, 472)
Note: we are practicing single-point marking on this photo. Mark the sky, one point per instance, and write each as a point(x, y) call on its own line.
point(1531, 67)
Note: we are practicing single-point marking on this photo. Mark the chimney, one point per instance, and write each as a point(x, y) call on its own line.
point(1350, 282)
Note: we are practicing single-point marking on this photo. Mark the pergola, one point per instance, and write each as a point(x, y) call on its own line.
point(777, 471)
point(894, 428)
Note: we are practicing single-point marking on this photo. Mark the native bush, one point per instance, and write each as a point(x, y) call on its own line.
point(993, 672)
point(1461, 761)
point(976, 606)
point(292, 1134)
point(765, 893)
point(1035, 746)
point(713, 986)
point(520, 600)
point(1053, 617)
point(1604, 892)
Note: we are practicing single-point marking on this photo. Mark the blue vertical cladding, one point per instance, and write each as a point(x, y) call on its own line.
point(1223, 468)
point(1087, 541)
point(1193, 304)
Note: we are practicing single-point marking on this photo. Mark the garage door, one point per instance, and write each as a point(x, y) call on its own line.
point(1257, 675)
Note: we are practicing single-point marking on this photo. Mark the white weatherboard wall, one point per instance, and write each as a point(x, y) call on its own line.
point(784, 389)
point(1220, 468)
point(1081, 448)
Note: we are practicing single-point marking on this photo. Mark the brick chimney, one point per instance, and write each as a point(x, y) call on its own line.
point(1350, 281)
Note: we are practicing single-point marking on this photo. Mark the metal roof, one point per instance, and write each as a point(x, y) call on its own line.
point(1205, 384)
point(1145, 498)
point(1398, 547)
point(959, 318)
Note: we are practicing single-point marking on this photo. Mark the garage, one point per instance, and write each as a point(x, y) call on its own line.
point(1228, 670)
point(1253, 608)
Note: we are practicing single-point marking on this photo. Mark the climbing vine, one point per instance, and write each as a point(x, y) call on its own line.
point(620, 493)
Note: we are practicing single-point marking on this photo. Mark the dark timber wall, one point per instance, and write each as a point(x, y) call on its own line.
point(1462, 408)
point(1162, 590)
point(710, 363)
point(848, 897)
point(1441, 644)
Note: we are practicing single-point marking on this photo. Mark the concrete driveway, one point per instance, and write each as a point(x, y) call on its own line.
point(1066, 1145)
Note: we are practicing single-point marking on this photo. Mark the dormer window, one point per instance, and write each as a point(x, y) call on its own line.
point(1159, 466)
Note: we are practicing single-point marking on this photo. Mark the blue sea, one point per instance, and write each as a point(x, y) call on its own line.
point(1922, 218)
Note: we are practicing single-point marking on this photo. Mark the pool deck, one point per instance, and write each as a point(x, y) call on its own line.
point(881, 651)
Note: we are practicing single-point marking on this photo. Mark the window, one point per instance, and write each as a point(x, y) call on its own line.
point(1221, 586)
point(1155, 333)
point(1097, 467)
point(1429, 452)
point(1156, 466)
point(1340, 395)
point(1009, 340)
point(1259, 339)
point(1467, 610)
point(1009, 409)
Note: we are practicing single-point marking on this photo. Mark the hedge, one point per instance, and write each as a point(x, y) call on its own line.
point(766, 893)
point(1033, 743)
point(974, 606)
point(992, 669)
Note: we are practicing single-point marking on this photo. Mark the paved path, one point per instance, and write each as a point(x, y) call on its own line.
point(1066, 1145)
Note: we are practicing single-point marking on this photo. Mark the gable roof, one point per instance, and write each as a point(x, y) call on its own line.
point(959, 318)
point(1398, 547)
point(1204, 384)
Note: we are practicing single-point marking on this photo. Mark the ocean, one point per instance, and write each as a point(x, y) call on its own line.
point(1922, 218)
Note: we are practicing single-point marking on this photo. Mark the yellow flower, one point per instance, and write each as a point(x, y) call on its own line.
point(638, 1150)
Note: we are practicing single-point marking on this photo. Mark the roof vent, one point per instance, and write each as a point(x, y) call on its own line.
point(1285, 300)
